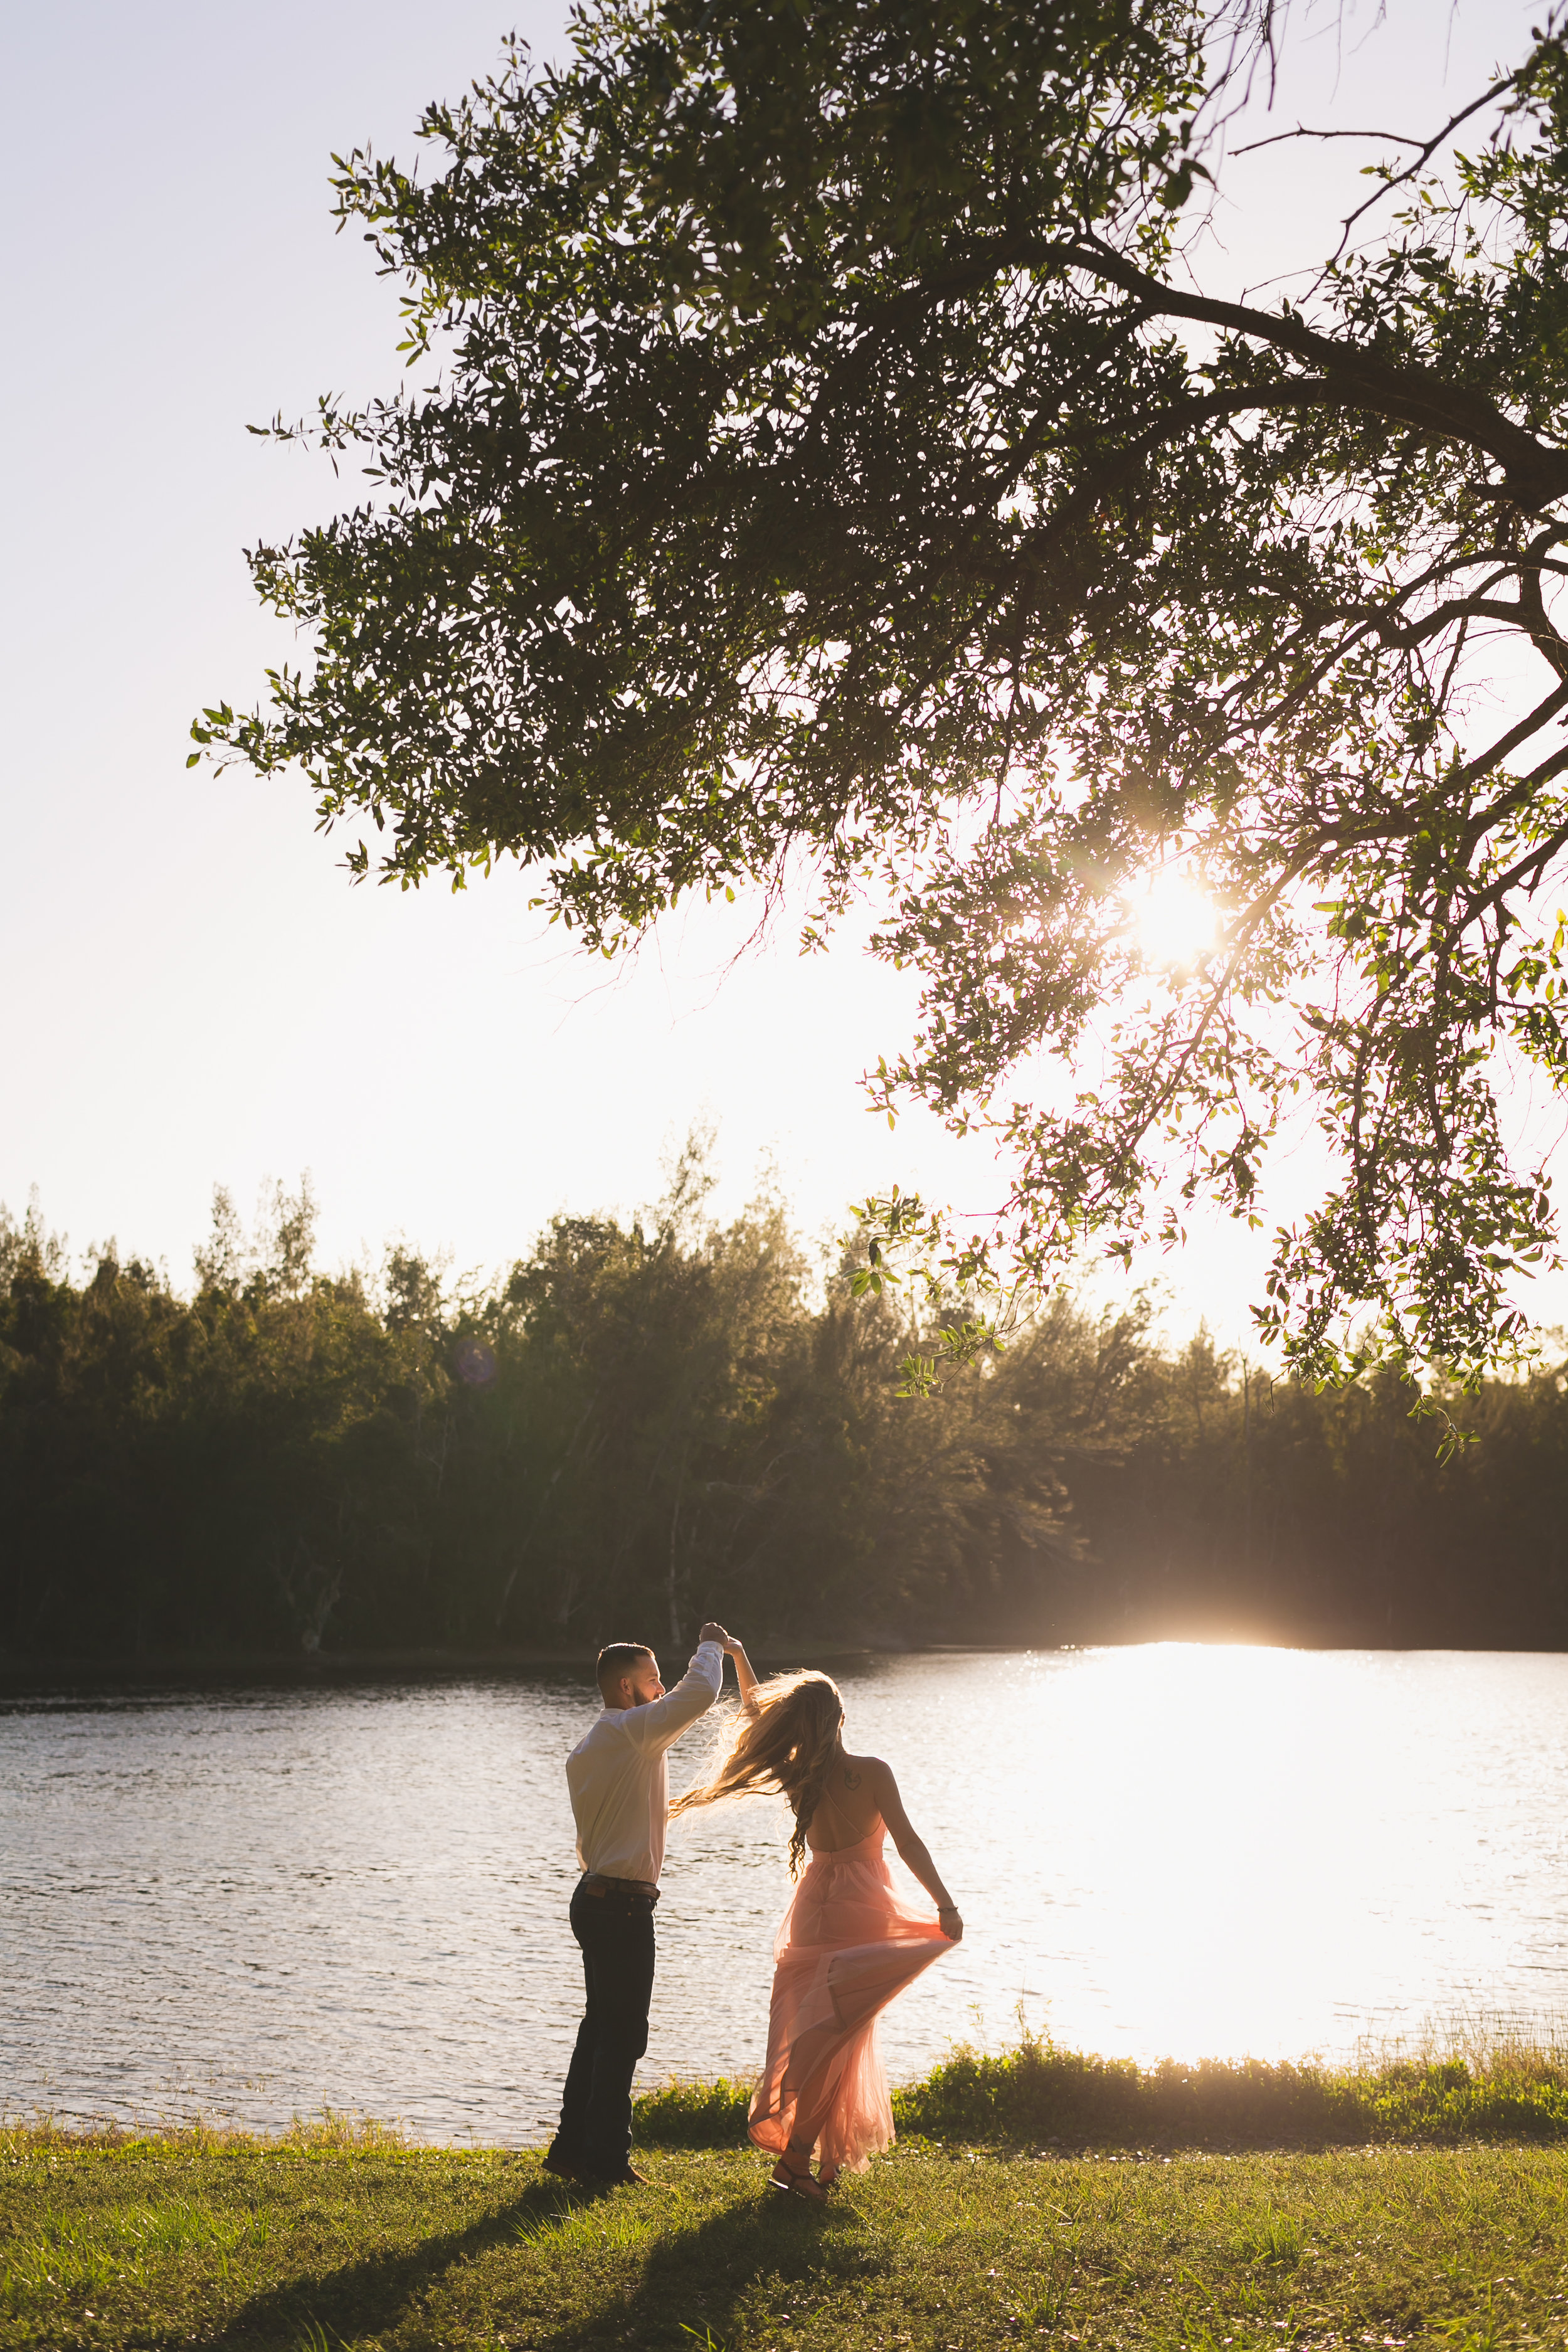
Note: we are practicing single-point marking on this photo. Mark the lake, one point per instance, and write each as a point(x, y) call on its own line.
point(257, 1903)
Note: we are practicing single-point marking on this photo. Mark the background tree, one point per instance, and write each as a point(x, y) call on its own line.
point(836, 456)
point(642, 1421)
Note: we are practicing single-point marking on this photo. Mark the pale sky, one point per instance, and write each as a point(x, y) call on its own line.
point(196, 994)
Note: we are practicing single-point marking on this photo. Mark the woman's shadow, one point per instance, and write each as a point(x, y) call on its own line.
point(692, 2282)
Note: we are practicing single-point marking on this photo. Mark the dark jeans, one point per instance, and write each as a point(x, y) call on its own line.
point(616, 1932)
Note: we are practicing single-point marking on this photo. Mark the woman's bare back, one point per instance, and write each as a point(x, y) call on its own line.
point(850, 1806)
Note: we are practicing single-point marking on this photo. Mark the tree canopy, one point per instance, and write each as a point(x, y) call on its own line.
point(835, 468)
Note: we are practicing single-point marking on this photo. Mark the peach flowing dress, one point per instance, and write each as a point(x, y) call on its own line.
point(846, 1946)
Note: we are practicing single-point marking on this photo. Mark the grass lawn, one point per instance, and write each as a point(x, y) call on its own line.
point(320, 2240)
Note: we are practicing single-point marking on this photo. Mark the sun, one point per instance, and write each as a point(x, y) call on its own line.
point(1172, 922)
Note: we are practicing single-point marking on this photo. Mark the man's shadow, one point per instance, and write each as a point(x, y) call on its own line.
point(366, 2297)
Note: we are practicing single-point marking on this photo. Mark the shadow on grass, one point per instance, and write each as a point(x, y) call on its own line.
point(365, 2297)
point(691, 2285)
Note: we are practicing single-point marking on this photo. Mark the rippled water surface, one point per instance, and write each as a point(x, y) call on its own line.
point(258, 1902)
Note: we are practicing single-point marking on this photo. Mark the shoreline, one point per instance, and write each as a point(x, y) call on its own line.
point(290, 1669)
point(1493, 2086)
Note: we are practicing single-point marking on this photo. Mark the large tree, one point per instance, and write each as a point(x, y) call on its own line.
point(835, 468)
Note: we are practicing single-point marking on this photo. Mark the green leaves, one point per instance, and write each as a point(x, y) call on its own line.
point(827, 469)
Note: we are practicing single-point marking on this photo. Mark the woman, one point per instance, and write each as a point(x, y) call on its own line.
point(848, 1941)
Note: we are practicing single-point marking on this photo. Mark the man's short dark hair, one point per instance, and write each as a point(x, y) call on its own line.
point(618, 1658)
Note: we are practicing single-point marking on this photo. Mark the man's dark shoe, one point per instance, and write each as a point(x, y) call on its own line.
point(563, 2167)
point(625, 2178)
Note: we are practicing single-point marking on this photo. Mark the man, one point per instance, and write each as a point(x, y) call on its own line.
point(620, 1796)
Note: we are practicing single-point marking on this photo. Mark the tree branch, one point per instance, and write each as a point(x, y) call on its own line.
point(1400, 138)
point(1536, 472)
point(1398, 179)
point(1484, 761)
point(1536, 860)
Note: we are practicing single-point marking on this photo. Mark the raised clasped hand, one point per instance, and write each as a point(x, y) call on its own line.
point(713, 1632)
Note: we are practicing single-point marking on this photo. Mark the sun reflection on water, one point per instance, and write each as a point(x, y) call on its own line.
point(1225, 1827)
point(1219, 1849)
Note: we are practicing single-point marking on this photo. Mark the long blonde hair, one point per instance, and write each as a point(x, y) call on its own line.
point(784, 1741)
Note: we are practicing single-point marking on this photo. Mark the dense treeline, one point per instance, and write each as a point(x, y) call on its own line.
point(648, 1420)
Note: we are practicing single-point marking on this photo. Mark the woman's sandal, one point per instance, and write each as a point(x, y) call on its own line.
point(798, 2181)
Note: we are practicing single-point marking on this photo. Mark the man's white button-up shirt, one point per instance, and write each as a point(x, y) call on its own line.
point(619, 1777)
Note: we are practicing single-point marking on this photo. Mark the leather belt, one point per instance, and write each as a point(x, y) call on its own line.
point(595, 1883)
